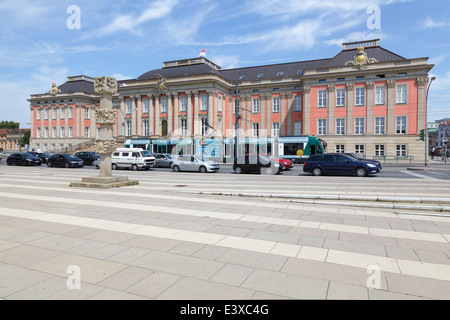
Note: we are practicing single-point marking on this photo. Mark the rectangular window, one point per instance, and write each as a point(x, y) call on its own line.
point(146, 125)
point(54, 113)
point(340, 126)
point(87, 132)
point(183, 104)
point(340, 148)
point(87, 113)
point(38, 114)
point(46, 132)
point(146, 103)
point(70, 132)
point(276, 104)
point(129, 128)
point(298, 104)
point(203, 102)
point(183, 126)
point(359, 150)
point(322, 99)
point(340, 98)
point(61, 147)
point(256, 105)
point(54, 132)
point(360, 96)
point(70, 112)
point(276, 129)
point(256, 129)
point(360, 126)
point(379, 150)
point(46, 114)
point(402, 94)
point(38, 133)
point(297, 128)
point(128, 103)
point(379, 126)
point(401, 150)
point(70, 147)
point(380, 95)
point(401, 125)
point(164, 104)
point(45, 148)
point(63, 113)
point(53, 147)
point(322, 127)
point(219, 104)
point(204, 126)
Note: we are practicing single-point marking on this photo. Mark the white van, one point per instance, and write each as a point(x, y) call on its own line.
point(132, 158)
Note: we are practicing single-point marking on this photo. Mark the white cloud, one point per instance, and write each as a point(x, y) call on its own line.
point(429, 23)
point(356, 36)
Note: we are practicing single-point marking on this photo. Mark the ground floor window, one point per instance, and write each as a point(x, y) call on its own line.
point(379, 150)
point(340, 148)
point(359, 149)
point(401, 150)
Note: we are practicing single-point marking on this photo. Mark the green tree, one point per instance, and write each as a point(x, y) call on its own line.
point(26, 138)
point(9, 125)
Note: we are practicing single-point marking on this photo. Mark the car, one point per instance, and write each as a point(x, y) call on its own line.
point(65, 161)
point(43, 155)
point(23, 159)
point(339, 164)
point(163, 160)
point(370, 160)
point(194, 163)
point(257, 163)
point(96, 164)
point(88, 157)
point(287, 164)
point(132, 158)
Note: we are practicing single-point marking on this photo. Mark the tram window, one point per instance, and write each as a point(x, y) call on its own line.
point(290, 149)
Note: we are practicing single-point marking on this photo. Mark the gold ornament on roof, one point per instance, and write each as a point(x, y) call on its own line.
point(55, 90)
point(361, 60)
point(160, 85)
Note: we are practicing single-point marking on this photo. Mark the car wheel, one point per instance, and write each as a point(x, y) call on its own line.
point(361, 172)
point(317, 172)
point(9, 163)
point(67, 165)
point(114, 166)
point(238, 170)
point(203, 169)
point(49, 165)
point(176, 169)
point(134, 167)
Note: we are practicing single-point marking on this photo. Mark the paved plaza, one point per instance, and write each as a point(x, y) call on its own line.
point(184, 236)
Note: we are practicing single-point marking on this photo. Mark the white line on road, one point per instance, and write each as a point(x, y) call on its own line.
point(420, 175)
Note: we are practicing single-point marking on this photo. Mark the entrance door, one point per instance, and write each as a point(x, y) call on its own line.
point(164, 128)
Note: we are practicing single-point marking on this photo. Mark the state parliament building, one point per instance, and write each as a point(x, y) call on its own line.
point(365, 100)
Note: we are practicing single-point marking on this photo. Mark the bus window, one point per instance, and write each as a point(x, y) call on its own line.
point(291, 149)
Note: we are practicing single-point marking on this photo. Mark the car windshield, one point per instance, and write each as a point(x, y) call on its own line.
point(353, 156)
point(44, 154)
point(27, 155)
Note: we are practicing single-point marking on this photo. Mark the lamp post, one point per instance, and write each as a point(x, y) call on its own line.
point(426, 120)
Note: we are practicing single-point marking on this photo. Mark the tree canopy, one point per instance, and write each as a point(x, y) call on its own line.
point(9, 125)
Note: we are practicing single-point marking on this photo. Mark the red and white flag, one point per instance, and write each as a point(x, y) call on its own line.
point(203, 53)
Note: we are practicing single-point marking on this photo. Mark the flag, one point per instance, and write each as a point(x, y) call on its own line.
point(203, 53)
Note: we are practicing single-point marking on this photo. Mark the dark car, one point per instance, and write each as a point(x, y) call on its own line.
point(42, 155)
point(88, 157)
point(65, 161)
point(339, 164)
point(23, 159)
point(369, 160)
point(163, 160)
point(254, 163)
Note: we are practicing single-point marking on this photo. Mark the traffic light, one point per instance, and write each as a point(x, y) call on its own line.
point(422, 135)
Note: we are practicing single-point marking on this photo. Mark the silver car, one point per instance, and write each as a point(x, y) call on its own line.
point(163, 160)
point(194, 163)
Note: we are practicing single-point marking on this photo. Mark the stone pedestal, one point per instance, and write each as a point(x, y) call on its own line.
point(105, 145)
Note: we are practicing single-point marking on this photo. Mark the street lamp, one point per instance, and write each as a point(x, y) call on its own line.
point(426, 120)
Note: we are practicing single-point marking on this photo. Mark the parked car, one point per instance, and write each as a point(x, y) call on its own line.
point(43, 155)
point(339, 164)
point(257, 163)
point(23, 159)
point(88, 157)
point(287, 164)
point(194, 163)
point(132, 158)
point(163, 160)
point(65, 161)
point(370, 160)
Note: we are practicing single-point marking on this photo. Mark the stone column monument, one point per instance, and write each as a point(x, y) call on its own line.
point(106, 144)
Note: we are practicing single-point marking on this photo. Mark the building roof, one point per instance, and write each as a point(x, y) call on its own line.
point(181, 71)
point(379, 53)
point(78, 84)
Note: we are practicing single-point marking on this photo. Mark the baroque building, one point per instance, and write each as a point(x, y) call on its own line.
point(364, 100)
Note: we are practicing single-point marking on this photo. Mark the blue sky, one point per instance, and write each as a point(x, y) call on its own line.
point(126, 38)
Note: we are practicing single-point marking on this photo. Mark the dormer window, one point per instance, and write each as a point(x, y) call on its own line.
point(261, 75)
point(280, 74)
point(242, 77)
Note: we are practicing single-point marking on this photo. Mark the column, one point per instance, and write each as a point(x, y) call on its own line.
point(269, 116)
point(391, 102)
point(290, 113)
point(196, 118)
point(370, 120)
point(176, 110)
point(93, 122)
point(331, 120)
point(307, 110)
point(139, 114)
point(421, 107)
point(157, 116)
point(350, 103)
point(151, 116)
point(169, 114)
point(210, 108)
point(189, 113)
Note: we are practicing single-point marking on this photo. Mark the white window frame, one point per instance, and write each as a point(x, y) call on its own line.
point(87, 113)
point(379, 150)
point(183, 126)
point(275, 129)
point(219, 104)
point(297, 128)
point(164, 104)
point(322, 127)
point(204, 102)
point(204, 126)
point(53, 113)
point(298, 103)
point(87, 132)
point(146, 126)
point(255, 131)
point(380, 95)
point(38, 133)
point(340, 126)
point(340, 148)
point(146, 104)
point(183, 103)
point(340, 97)
point(360, 149)
point(360, 96)
point(129, 128)
point(54, 132)
point(380, 125)
point(70, 112)
point(256, 105)
point(276, 104)
point(45, 132)
point(63, 113)
point(322, 97)
point(129, 106)
point(38, 114)
point(70, 132)
point(401, 126)
point(401, 150)
point(402, 95)
point(46, 113)
point(360, 123)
